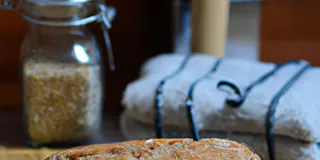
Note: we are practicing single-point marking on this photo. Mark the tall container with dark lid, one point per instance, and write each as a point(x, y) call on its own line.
point(62, 71)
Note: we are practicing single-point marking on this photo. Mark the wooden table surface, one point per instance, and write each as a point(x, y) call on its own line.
point(12, 142)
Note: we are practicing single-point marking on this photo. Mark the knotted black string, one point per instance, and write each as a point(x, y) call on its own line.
point(237, 102)
point(270, 117)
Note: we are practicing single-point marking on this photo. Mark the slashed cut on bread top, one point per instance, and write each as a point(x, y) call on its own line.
point(160, 149)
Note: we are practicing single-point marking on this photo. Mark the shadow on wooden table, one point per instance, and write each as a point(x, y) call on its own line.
point(11, 125)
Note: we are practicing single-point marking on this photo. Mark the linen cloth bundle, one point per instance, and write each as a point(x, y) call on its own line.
point(296, 119)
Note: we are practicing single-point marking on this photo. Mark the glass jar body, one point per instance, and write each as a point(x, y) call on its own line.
point(62, 86)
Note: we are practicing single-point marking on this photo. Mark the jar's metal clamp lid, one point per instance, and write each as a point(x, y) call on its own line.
point(67, 13)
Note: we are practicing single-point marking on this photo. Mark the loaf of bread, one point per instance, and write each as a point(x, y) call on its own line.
point(296, 115)
point(161, 149)
point(286, 148)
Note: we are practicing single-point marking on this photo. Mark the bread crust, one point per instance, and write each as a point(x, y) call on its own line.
point(160, 149)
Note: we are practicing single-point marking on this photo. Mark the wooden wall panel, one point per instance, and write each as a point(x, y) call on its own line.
point(12, 30)
point(290, 29)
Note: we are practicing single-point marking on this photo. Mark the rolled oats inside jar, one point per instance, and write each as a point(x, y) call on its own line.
point(63, 101)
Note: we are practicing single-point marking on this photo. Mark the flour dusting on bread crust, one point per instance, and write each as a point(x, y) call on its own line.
point(160, 149)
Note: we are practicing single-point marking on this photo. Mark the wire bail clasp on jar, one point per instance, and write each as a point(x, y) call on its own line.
point(6, 4)
point(107, 15)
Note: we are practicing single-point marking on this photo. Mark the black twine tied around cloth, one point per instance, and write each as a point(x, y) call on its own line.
point(241, 97)
point(270, 118)
point(159, 101)
point(189, 100)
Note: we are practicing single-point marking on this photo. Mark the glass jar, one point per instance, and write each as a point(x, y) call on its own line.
point(62, 72)
point(62, 83)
